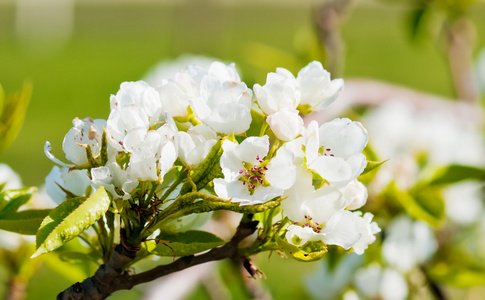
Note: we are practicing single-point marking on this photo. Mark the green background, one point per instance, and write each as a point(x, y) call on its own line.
point(115, 43)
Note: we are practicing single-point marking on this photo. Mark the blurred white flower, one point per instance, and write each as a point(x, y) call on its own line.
point(408, 243)
point(464, 202)
point(167, 70)
point(9, 177)
point(329, 280)
point(373, 282)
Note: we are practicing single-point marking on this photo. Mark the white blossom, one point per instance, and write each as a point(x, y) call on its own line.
point(134, 109)
point(280, 91)
point(195, 144)
point(320, 215)
point(286, 124)
point(85, 132)
point(224, 102)
point(316, 88)
point(334, 150)
point(249, 178)
point(74, 181)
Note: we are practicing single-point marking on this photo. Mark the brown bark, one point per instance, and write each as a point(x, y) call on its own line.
point(111, 277)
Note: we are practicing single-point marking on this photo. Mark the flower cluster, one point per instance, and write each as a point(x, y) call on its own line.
point(267, 152)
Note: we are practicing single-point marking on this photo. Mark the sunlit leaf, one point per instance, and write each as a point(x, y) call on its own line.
point(70, 219)
point(371, 165)
point(23, 222)
point(184, 243)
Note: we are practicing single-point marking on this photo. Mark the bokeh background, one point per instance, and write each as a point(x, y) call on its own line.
point(76, 54)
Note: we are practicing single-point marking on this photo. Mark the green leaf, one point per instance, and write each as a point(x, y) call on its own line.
point(73, 257)
point(456, 173)
point(23, 222)
point(12, 200)
point(371, 165)
point(184, 243)
point(424, 204)
point(311, 251)
point(12, 117)
point(70, 219)
point(417, 20)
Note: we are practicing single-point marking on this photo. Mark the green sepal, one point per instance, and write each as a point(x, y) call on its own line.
point(104, 148)
point(371, 165)
point(24, 222)
point(183, 243)
point(12, 200)
point(455, 173)
point(70, 219)
point(207, 170)
point(311, 251)
point(305, 109)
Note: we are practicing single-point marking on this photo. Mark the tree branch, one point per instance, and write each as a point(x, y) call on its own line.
point(110, 278)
